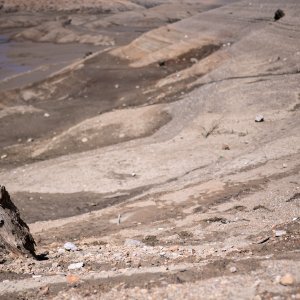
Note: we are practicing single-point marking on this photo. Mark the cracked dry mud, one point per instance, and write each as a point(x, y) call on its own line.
point(130, 131)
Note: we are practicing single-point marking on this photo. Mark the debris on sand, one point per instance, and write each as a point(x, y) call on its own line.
point(15, 237)
point(70, 246)
point(76, 266)
point(131, 242)
point(89, 53)
point(279, 233)
point(287, 279)
point(279, 13)
point(259, 118)
point(225, 147)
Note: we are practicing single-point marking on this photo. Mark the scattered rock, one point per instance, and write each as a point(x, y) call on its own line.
point(76, 266)
point(259, 118)
point(279, 13)
point(161, 63)
point(233, 269)
point(30, 140)
point(89, 53)
point(217, 219)
point(46, 115)
point(66, 22)
point(60, 251)
point(225, 147)
point(3, 156)
point(193, 60)
point(71, 279)
point(279, 233)
point(131, 242)
point(287, 279)
point(70, 246)
point(44, 291)
point(151, 240)
point(84, 140)
point(174, 248)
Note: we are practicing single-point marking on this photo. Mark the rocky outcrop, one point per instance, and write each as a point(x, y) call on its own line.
point(15, 237)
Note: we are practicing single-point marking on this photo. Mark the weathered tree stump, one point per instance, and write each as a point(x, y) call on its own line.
point(15, 237)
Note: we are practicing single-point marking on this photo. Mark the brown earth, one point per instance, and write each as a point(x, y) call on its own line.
point(144, 152)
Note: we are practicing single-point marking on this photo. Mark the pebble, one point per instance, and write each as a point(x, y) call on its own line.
point(174, 248)
point(30, 140)
point(76, 266)
point(233, 269)
point(70, 246)
point(225, 147)
point(3, 156)
point(72, 278)
point(84, 140)
point(259, 118)
point(287, 279)
point(60, 251)
point(279, 233)
point(46, 115)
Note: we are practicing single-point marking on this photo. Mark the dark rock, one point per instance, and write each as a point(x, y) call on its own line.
point(279, 13)
point(15, 237)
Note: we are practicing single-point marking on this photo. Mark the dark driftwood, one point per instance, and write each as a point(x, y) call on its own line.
point(15, 237)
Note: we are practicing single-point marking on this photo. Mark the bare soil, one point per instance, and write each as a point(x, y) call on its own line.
point(144, 151)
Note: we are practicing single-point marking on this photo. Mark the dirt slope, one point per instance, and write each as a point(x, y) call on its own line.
point(147, 156)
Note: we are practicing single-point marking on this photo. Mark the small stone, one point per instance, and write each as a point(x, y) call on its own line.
point(133, 174)
point(193, 60)
point(131, 242)
point(70, 246)
point(259, 118)
point(72, 278)
point(46, 115)
point(233, 269)
point(284, 166)
point(257, 297)
point(225, 147)
point(279, 13)
point(174, 248)
point(3, 156)
point(84, 140)
point(279, 233)
point(76, 266)
point(60, 251)
point(116, 86)
point(44, 291)
point(287, 279)
point(30, 140)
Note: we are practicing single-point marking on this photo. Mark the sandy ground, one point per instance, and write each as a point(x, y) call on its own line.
point(130, 131)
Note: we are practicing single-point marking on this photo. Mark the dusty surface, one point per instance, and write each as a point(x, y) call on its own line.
point(136, 140)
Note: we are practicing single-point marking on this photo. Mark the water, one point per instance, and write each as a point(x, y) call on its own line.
point(7, 66)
